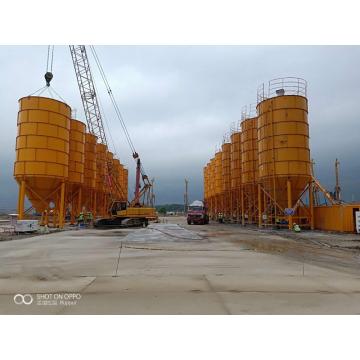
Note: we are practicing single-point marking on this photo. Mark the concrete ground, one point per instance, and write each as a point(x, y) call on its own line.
point(173, 268)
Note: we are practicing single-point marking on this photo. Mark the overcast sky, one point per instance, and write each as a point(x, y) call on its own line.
point(178, 101)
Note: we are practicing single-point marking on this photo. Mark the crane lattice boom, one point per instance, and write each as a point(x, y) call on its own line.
point(88, 92)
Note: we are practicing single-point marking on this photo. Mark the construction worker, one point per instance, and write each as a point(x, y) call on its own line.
point(220, 218)
point(80, 219)
point(89, 218)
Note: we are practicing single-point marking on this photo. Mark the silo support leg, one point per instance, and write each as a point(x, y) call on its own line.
point(259, 206)
point(62, 206)
point(94, 205)
point(46, 218)
point(311, 202)
point(79, 202)
point(21, 200)
point(289, 200)
point(242, 208)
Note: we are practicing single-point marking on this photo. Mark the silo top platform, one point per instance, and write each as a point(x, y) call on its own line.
point(282, 86)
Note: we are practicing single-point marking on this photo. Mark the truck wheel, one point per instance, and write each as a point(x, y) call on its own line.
point(189, 222)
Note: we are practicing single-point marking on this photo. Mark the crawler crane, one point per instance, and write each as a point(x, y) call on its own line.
point(120, 213)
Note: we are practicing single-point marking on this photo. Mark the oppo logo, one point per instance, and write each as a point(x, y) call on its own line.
point(26, 299)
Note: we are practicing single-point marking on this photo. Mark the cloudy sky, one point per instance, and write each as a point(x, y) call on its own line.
point(178, 101)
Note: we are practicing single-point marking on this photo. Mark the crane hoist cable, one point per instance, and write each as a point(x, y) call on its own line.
point(50, 56)
point(50, 59)
point(49, 76)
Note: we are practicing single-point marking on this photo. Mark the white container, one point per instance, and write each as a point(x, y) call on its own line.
point(26, 226)
point(357, 220)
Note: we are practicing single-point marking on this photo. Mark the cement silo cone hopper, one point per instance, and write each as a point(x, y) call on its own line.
point(42, 156)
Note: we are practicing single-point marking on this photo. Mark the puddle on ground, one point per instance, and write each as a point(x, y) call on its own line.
point(163, 232)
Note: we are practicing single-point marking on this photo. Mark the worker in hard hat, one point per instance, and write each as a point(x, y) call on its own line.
point(220, 217)
point(89, 218)
point(80, 219)
point(296, 227)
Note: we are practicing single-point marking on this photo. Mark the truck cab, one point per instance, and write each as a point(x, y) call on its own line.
point(197, 213)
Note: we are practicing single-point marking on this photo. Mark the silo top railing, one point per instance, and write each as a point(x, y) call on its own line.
point(235, 127)
point(282, 86)
point(226, 138)
point(248, 112)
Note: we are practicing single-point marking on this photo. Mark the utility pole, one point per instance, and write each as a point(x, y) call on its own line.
point(337, 184)
point(186, 196)
point(315, 190)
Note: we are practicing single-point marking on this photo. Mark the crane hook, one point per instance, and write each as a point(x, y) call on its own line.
point(48, 77)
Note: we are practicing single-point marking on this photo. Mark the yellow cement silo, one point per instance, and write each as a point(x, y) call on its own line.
point(110, 181)
point(123, 195)
point(218, 183)
point(235, 173)
point(117, 178)
point(76, 167)
point(218, 173)
point(89, 188)
point(109, 189)
point(235, 160)
point(42, 155)
point(249, 169)
point(101, 172)
point(207, 174)
point(126, 186)
point(284, 154)
point(206, 182)
point(226, 179)
point(211, 203)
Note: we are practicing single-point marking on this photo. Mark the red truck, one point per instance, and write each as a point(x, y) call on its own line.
point(197, 213)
